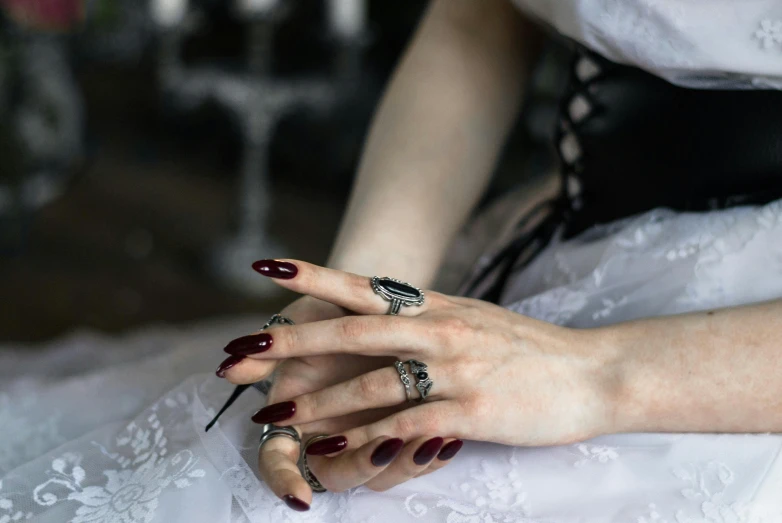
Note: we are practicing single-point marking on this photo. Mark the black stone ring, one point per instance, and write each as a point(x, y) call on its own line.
point(423, 382)
point(397, 292)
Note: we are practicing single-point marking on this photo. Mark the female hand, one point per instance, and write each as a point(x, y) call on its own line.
point(294, 377)
point(498, 376)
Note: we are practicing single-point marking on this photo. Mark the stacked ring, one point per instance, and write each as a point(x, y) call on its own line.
point(271, 430)
point(403, 377)
point(306, 473)
point(423, 382)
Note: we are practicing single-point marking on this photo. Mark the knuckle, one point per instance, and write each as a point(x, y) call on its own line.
point(369, 385)
point(406, 425)
point(352, 327)
point(476, 406)
point(287, 336)
point(377, 488)
point(451, 328)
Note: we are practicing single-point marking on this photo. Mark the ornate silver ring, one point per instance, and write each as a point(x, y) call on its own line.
point(404, 378)
point(423, 382)
point(277, 319)
point(397, 292)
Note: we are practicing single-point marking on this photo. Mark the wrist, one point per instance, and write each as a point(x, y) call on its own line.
point(638, 394)
point(611, 380)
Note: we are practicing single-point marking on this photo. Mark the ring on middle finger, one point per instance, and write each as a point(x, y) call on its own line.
point(423, 382)
point(403, 377)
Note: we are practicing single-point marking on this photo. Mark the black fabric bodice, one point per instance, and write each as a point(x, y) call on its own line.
point(647, 143)
point(629, 141)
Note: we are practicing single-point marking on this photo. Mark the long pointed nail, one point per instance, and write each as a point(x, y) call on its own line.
point(227, 363)
point(427, 451)
point(253, 344)
point(449, 450)
point(276, 269)
point(295, 503)
point(275, 412)
point(327, 446)
point(386, 452)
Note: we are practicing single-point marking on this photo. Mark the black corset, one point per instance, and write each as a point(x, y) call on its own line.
point(629, 141)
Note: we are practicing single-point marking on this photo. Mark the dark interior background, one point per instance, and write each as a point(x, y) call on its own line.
point(119, 231)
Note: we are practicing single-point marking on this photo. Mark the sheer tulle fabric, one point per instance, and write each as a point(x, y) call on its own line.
point(105, 430)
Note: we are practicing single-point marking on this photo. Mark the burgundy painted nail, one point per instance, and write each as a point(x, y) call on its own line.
point(327, 446)
point(275, 412)
point(387, 451)
point(449, 450)
point(276, 269)
point(252, 344)
point(427, 451)
point(229, 362)
point(295, 503)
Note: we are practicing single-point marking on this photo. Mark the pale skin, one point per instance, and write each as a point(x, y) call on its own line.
point(433, 143)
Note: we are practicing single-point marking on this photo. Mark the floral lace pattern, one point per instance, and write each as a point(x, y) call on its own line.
point(698, 43)
point(770, 33)
point(142, 470)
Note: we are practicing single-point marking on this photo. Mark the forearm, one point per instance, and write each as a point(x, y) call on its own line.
point(711, 371)
point(435, 139)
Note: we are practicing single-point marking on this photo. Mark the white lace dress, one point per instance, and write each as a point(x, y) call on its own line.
point(95, 429)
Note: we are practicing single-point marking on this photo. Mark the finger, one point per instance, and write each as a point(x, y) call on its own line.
point(414, 459)
point(241, 370)
point(345, 289)
point(426, 419)
point(355, 467)
point(450, 448)
point(365, 335)
point(377, 389)
point(245, 374)
point(277, 463)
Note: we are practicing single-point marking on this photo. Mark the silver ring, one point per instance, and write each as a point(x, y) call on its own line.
point(399, 293)
point(306, 473)
point(403, 377)
point(423, 382)
point(277, 319)
point(271, 430)
point(264, 386)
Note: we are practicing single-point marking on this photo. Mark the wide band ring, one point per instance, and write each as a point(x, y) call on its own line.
point(423, 383)
point(271, 430)
point(403, 377)
point(304, 468)
point(399, 293)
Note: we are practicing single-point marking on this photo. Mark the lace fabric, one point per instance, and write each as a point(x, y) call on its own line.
point(720, 44)
point(123, 441)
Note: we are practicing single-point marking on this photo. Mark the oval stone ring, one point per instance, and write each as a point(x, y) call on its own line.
point(397, 292)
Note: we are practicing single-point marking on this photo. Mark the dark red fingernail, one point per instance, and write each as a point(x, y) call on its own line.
point(253, 344)
point(276, 269)
point(327, 446)
point(295, 503)
point(227, 363)
point(275, 412)
point(387, 451)
point(427, 451)
point(449, 450)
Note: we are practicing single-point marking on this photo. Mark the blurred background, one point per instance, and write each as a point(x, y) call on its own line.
point(150, 150)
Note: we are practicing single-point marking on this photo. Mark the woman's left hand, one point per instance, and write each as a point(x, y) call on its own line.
point(498, 376)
